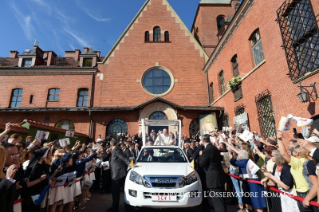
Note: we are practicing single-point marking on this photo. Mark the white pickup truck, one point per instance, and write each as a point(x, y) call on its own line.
point(163, 179)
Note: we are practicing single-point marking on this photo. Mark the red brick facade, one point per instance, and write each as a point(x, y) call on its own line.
point(205, 23)
point(118, 78)
point(117, 89)
point(270, 74)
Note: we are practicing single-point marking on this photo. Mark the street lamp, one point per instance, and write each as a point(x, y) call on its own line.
point(305, 95)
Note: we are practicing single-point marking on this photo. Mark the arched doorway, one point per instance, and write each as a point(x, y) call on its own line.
point(115, 127)
point(194, 127)
point(161, 107)
point(157, 116)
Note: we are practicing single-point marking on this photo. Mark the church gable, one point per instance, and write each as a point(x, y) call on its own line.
point(147, 7)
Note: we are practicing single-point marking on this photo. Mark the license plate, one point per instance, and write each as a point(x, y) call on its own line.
point(161, 198)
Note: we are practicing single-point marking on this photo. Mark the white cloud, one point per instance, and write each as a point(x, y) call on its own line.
point(62, 17)
point(24, 21)
point(95, 17)
point(43, 4)
point(76, 37)
point(72, 47)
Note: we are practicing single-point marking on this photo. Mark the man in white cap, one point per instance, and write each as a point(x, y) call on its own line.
point(163, 139)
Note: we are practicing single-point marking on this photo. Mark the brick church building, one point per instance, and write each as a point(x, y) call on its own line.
point(158, 69)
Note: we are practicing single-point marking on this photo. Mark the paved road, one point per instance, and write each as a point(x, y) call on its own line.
point(101, 202)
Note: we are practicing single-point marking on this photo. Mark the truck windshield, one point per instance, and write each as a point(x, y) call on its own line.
point(162, 155)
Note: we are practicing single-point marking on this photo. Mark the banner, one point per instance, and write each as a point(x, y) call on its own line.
point(241, 122)
point(71, 177)
point(42, 135)
point(106, 165)
point(98, 163)
point(64, 142)
point(303, 122)
point(87, 184)
point(88, 165)
point(285, 123)
point(69, 133)
point(251, 168)
point(246, 136)
point(61, 180)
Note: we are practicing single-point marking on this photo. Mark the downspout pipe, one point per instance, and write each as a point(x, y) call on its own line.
point(91, 105)
point(207, 88)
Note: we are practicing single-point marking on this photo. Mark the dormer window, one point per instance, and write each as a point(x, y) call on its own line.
point(27, 62)
point(87, 62)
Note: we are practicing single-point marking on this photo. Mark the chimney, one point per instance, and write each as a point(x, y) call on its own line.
point(98, 53)
point(77, 54)
point(51, 58)
point(13, 54)
point(86, 49)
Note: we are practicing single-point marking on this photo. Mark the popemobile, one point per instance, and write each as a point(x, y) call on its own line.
point(163, 178)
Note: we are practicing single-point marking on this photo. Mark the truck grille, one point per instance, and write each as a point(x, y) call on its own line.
point(164, 185)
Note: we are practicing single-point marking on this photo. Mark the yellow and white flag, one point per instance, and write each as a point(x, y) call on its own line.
point(303, 122)
point(193, 164)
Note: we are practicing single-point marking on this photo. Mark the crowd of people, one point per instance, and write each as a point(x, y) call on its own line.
point(41, 175)
point(292, 169)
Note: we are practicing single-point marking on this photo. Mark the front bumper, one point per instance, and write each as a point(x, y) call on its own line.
point(144, 196)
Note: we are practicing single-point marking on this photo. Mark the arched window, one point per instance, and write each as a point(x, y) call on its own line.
point(156, 34)
point(194, 127)
point(221, 82)
point(220, 22)
point(234, 62)
point(257, 47)
point(116, 126)
point(147, 36)
point(16, 97)
point(65, 124)
point(166, 36)
point(211, 92)
point(158, 116)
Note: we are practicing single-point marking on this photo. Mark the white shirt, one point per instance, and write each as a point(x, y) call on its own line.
point(99, 140)
point(25, 164)
point(163, 140)
point(312, 152)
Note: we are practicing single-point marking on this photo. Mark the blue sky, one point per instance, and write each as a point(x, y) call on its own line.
point(61, 25)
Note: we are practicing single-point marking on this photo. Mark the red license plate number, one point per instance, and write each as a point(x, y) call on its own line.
point(163, 198)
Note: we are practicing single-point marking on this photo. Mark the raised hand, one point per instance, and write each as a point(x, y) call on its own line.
point(11, 171)
point(7, 129)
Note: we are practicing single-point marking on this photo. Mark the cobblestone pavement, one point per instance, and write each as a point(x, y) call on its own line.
point(101, 202)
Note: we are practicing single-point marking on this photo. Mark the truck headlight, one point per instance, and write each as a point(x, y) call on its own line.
point(187, 180)
point(135, 177)
point(138, 179)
